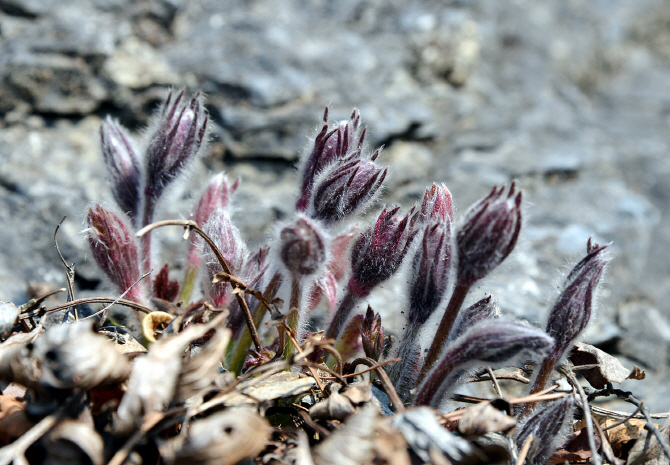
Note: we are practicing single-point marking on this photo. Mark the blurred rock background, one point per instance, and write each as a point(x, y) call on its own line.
point(570, 98)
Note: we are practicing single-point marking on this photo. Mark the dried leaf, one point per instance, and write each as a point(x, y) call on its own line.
point(359, 393)
point(73, 356)
point(390, 447)
point(13, 419)
point(647, 449)
point(224, 438)
point(484, 418)
point(16, 363)
point(618, 436)
point(278, 386)
point(353, 443)
point(73, 441)
point(153, 322)
point(608, 369)
point(335, 407)
point(576, 448)
point(125, 343)
point(8, 318)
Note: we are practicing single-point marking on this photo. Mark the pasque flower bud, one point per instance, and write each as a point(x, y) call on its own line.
point(488, 234)
point(123, 166)
point(329, 145)
point(114, 249)
point(378, 252)
point(572, 310)
point(303, 246)
point(436, 204)
point(372, 334)
point(549, 428)
point(481, 310)
point(490, 342)
point(345, 187)
point(175, 142)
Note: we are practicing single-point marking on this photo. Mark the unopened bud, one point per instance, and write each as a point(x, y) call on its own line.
point(549, 428)
point(488, 234)
point(437, 204)
point(123, 166)
point(164, 288)
point(114, 249)
point(303, 246)
point(372, 334)
point(482, 310)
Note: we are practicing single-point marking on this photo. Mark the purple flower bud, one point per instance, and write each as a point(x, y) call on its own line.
point(488, 234)
point(346, 187)
point(164, 288)
point(549, 428)
point(572, 310)
point(303, 246)
point(379, 251)
point(489, 342)
point(123, 166)
point(436, 204)
point(114, 249)
point(329, 145)
point(228, 240)
point(482, 310)
point(431, 271)
point(253, 272)
point(372, 335)
point(175, 142)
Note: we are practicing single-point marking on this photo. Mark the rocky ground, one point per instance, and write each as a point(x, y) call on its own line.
point(571, 99)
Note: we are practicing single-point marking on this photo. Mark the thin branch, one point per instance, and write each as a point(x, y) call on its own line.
point(193, 226)
point(514, 376)
point(524, 450)
point(69, 270)
point(496, 386)
point(621, 422)
point(386, 381)
point(98, 300)
point(99, 312)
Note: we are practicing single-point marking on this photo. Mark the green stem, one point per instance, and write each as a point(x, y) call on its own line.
point(188, 285)
point(448, 319)
point(289, 347)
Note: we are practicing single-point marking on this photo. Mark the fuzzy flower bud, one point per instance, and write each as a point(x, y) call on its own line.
point(488, 234)
point(490, 342)
point(549, 428)
point(482, 310)
point(346, 187)
point(114, 249)
point(303, 247)
point(372, 335)
point(329, 145)
point(175, 142)
point(436, 204)
point(123, 166)
point(379, 251)
point(572, 310)
point(228, 240)
point(431, 271)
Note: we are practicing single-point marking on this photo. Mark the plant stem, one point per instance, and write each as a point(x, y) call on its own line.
point(189, 284)
point(404, 352)
point(341, 315)
point(448, 319)
point(432, 386)
point(147, 218)
point(294, 307)
point(541, 380)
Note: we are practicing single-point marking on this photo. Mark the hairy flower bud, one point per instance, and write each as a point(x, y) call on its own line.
point(114, 249)
point(175, 142)
point(303, 246)
point(488, 234)
point(436, 204)
point(346, 187)
point(430, 272)
point(228, 240)
point(378, 252)
point(123, 166)
point(572, 310)
point(329, 145)
point(490, 342)
point(549, 428)
point(372, 335)
point(482, 310)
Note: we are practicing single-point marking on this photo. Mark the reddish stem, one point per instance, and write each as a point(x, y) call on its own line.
point(341, 315)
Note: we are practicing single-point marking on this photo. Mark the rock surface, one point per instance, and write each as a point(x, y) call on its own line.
point(570, 99)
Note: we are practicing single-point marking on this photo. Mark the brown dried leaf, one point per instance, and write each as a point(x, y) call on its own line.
point(13, 419)
point(73, 356)
point(8, 316)
point(73, 441)
point(484, 418)
point(637, 373)
point(353, 443)
point(359, 394)
point(390, 447)
point(278, 386)
point(647, 449)
point(125, 343)
point(16, 363)
point(153, 322)
point(335, 407)
point(618, 436)
point(224, 438)
point(608, 369)
point(576, 448)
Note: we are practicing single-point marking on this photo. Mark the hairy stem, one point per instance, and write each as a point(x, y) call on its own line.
point(541, 380)
point(294, 307)
point(147, 218)
point(347, 303)
point(432, 386)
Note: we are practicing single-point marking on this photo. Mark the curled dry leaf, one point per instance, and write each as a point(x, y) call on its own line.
point(16, 363)
point(608, 369)
point(73, 356)
point(620, 435)
point(353, 443)
point(13, 419)
point(73, 441)
point(335, 407)
point(484, 418)
point(278, 386)
point(125, 343)
point(224, 438)
point(8, 316)
point(154, 322)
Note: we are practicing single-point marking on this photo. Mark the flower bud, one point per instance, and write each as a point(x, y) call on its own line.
point(114, 249)
point(175, 142)
point(123, 166)
point(346, 187)
point(164, 288)
point(488, 234)
point(303, 247)
point(436, 204)
point(379, 251)
point(572, 310)
point(549, 428)
point(329, 145)
point(482, 310)
point(431, 271)
point(228, 240)
point(490, 342)
point(372, 334)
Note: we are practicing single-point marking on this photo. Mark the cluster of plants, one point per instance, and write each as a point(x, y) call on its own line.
point(227, 363)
